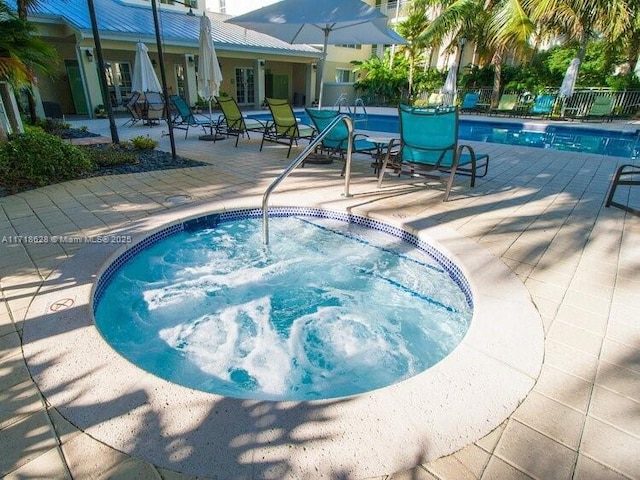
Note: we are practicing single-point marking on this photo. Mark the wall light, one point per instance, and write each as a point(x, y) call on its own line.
point(261, 62)
point(89, 54)
point(154, 63)
point(190, 59)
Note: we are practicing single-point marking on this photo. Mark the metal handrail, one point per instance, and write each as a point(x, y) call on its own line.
point(354, 114)
point(299, 159)
point(342, 100)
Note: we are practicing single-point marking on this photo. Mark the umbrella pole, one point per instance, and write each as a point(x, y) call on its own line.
point(324, 60)
point(212, 136)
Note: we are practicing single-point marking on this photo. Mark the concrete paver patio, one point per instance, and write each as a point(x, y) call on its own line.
point(541, 212)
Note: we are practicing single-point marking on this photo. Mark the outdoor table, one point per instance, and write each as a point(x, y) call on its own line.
point(381, 142)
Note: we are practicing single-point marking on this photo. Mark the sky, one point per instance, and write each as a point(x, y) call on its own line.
point(237, 7)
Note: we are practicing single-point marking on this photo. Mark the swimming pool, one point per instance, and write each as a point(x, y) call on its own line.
point(616, 143)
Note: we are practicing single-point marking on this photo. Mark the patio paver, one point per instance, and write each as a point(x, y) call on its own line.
point(541, 212)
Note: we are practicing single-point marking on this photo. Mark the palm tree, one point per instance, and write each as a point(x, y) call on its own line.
point(582, 21)
point(24, 6)
point(495, 26)
point(20, 49)
point(412, 30)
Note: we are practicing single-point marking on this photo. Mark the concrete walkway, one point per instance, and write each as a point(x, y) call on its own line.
point(538, 211)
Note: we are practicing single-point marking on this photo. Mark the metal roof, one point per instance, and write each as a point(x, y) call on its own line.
point(121, 20)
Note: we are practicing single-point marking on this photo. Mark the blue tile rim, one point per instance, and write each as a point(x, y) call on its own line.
point(214, 219)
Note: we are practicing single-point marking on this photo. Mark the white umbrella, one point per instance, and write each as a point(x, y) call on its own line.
point(569, 81)
point(209, 74)
point(144, 76)
point(450, 87)
point(321, 22)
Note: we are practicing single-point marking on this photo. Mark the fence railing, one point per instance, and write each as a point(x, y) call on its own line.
point(626, 102)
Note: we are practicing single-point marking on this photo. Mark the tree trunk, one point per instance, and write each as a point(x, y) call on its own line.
point(3, 134)
point(497, 78)
point(22, 15)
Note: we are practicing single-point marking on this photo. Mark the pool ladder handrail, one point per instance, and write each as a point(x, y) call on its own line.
point(359, 102)
point(301, 158)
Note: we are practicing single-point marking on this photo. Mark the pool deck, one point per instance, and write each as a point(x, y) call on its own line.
point(540, 212)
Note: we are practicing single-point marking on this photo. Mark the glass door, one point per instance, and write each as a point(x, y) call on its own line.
point(245, 86)
point(118, 82)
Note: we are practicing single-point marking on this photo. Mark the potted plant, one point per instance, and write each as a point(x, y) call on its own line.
point(100, 111)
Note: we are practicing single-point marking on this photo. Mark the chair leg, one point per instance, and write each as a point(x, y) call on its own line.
point(618, 180)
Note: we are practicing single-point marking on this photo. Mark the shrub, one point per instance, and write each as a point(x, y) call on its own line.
point(143, 143)
point(38, 158)
point(112, 156)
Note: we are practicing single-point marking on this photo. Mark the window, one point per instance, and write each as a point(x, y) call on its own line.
point(357, 47)
point(343, 75)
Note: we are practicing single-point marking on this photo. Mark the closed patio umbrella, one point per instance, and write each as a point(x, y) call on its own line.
point(321, 23)
point(569, 82)
point(209, 74)
point(450, 87)
point(144, 76)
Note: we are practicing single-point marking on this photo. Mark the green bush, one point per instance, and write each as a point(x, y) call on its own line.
point(111, 156)
point(37, 158)
point(143, 143)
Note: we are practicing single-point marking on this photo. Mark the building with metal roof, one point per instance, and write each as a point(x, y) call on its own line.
point(254, 65)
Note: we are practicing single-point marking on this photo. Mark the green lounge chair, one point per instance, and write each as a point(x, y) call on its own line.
point(232, 123)
point(429, 146)
point(543, 106)
point(601, 109)
point(284, 127)
point(506, 105)
point(183, 117)
point(337, 140)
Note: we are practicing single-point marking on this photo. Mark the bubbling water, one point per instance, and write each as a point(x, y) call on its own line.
point(328, 309)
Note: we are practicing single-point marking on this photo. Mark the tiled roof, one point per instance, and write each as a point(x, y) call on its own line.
point(117, 19)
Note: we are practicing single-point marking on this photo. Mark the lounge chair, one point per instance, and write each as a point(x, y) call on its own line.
point(284, 127)
point(135, 107)
point(183, 117)
point(470, 102)
point(506, 105)
point(627, 174)
point(233, 123)
point(543, 106)
point(337, 140)
point(601, 109)
point(429, 146)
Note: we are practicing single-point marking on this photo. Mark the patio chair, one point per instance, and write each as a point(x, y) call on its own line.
point(154, 108)
point(543, 106)
point(429, 147)
point(336, 141)
point(135, 107)
point(183, 117)
point(284, 127)
point(470, 102)
point(506, 105)
point(601, 109)
point(627, 174)
point(233, 123)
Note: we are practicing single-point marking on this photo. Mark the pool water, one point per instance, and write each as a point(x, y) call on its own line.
point(328, 309)
point(624, 144)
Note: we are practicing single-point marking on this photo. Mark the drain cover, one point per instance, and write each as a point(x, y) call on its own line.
point(178, 199)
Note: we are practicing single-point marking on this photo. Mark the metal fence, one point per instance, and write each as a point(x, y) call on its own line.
point(626, 103)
